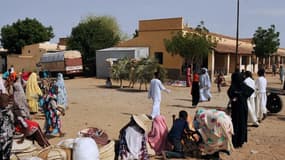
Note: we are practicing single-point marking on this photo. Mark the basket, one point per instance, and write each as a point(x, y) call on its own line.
point(55, 153)
point(107, 152)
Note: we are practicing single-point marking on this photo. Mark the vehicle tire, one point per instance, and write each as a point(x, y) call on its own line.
point(274, 103)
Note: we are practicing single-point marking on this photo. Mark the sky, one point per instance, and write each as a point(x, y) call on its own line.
point(219, 16)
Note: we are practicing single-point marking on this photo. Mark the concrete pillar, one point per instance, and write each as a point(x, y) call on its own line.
point(249, 64)
point(211, 64)
point(228, 64)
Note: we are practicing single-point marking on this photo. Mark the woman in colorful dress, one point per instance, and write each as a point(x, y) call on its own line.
point(33, 93)
point(53, 111)
point(216, 130)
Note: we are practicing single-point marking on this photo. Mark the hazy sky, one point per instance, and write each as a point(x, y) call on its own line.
point(219, 15)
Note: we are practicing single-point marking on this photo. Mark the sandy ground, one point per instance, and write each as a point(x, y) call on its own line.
point(93, 105)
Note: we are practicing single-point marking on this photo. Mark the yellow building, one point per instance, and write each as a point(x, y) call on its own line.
point(151, 34)
point(31, 56)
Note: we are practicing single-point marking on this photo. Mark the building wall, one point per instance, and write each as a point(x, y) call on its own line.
point(30, 56)
point(152, 34)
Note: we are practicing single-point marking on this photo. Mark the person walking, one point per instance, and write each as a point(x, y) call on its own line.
point(251, 100)
point(188, 76)
point(238, 94)
point(281, 73)
point(155, 94)
point(62, 93)
point(205, 85)
point(261, 98)
point(273, 69)
point(195, 90)
point(33, 93)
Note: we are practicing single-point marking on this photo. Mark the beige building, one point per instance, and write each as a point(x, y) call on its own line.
point(31, 56)
point(151, 34)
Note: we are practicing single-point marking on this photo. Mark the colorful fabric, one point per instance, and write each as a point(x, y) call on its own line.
point(53, 121)
point(158, 135)
point(216, 130)
point(33, 92)
point(20, 99)
point(62, 94)
point(6, 132)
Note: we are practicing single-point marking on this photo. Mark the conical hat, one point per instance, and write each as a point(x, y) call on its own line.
point(140, 122)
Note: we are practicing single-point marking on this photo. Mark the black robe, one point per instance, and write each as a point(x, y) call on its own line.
point(238, 94)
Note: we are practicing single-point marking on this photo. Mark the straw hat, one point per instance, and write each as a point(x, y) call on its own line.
point(139, 121)
point(21, 147)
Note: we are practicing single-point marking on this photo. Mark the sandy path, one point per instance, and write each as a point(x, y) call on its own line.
point(90, 104)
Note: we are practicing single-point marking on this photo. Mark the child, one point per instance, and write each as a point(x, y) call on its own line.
point(108, 83)
point(220, 80)
point(179, 128)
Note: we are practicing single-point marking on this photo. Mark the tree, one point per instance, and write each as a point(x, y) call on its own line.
point(91, 34)
point(265, 41)
point(193, 45)
point(24, 32)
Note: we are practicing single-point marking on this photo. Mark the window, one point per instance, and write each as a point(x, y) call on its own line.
point(159, 57)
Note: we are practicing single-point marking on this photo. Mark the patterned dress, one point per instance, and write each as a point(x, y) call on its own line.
point(216, 130)
point(6, 132)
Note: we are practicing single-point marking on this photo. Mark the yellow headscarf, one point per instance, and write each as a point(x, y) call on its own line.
point(32, 87)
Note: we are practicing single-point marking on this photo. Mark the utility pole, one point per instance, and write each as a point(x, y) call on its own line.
point(237, 34)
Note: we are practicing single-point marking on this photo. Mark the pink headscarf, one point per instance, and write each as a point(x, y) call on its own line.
point(158, 134)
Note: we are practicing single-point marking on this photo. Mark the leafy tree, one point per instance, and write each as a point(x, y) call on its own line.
point(24, 32)
point(94, 33)
point(193, 45)
point(265, 41)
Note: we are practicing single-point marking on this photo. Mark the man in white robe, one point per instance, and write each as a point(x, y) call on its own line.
point(205, 85)
point(251, 100)
point(261, 98)
point(155, 94)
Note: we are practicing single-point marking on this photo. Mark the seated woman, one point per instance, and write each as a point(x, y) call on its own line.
point(158, 135)
point(30, 129)
point(216, 130)
point(132, 139)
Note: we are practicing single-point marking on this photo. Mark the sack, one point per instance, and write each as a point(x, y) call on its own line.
point(85, 148)
point(53, 153)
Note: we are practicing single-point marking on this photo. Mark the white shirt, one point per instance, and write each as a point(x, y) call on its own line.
point(250, 82)
point(261, 84)
point(155, 89)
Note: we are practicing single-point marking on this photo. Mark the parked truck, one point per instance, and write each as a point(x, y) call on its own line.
point(69, 63)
